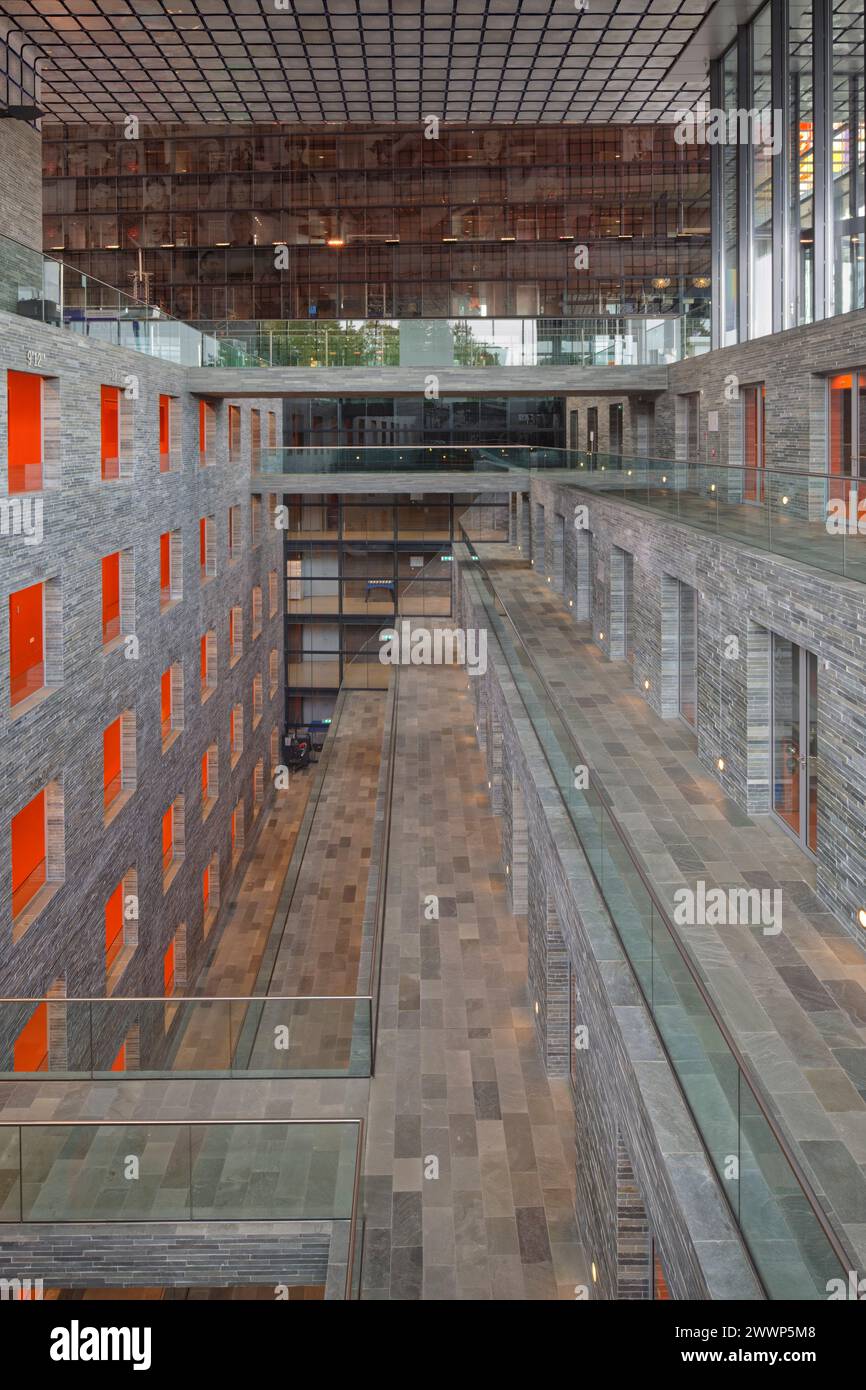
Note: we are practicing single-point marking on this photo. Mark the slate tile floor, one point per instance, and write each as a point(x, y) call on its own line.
point(458, 1077)
point(795, 1002)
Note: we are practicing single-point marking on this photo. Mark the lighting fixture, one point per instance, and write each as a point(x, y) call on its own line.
point(601, 637)
point(785, 501)
point(536, 1006)
point(661, 282)
point(336, 241)
point(646, 685)
point(720, 764)
point(861, 917)
point(701, 282)
point(594, 1273)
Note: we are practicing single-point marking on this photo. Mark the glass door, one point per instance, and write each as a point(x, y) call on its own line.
point(795, 739)
point(847, 437)
point(754, 442)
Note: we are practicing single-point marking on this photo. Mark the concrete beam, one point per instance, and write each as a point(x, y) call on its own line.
point(412, 381)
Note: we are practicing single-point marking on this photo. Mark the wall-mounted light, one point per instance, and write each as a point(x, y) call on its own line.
point(785, 501)
point(646, 685)
point(594, 1273)
point(664, 477)
point(536, 1006)
point(720, 764)
point(601, 637)
point(571, 603)
point(712, 487)
point(861, 917)
point(548, 579)
point(508, 868)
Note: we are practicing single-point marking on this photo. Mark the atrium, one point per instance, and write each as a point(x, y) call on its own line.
point(433, 550)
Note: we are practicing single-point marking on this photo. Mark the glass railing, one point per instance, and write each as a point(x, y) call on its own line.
point(175, 1037)
point(412, 458)
point(140, 1170)
point(793, 512)
point(792, 1245)
point(604, 341)
point(47, 290)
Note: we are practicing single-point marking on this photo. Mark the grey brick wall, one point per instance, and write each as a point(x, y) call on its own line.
point(61, 738)
point(744, 594)
point(21, 183)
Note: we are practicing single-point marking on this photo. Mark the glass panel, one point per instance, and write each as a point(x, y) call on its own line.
point(761, 270)
point(801, 305)
point(105, 1172)
point(730, 193)
point(847, 155)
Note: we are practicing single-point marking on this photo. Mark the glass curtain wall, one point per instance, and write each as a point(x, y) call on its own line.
point(791, 206)
point(761, 180)
point(801, 156)
point(847, 155)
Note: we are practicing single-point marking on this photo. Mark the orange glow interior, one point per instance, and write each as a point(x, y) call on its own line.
point(204, 661)
point(164, 433)
point(119, 1063)
point(165, 698)
point(204, 776)
point(26, 643)
point(205, 888)
point(168, 969)
point(167, 837)
point(28, 852)
point(165, 565)
point(110, 431)
point(114, 924)
point(110, 596)
point(24, 398)
point(31, 1045)
point(111, 761)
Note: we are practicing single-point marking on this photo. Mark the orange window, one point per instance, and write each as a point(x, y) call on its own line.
point(167, 839)
point(165, 701)
point(204, 777)
point(205, 888)
point(119, 1063)
point(234, 429)
point(26, 643)
point(111, 431)
point(204, 661)
point(164, 433)
point(165, 566)
point(110, 596)
point(24, 397)
point(114, 926)
point(168, 969)
point(111, 762)
point(28, 852)
point(31, 1045)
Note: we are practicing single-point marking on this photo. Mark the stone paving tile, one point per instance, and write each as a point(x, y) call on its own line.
point(795, 1002)
point(458, 1073)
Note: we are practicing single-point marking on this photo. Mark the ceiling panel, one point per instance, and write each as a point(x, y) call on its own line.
point(363, 60)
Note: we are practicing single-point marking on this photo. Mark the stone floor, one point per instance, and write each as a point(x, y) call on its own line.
point(795, 1002)
point(458, 1077)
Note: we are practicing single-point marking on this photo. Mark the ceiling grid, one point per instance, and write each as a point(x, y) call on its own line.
point(207, 61)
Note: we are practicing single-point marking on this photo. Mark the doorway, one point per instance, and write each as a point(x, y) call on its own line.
point(754, 442)
point(794, 703)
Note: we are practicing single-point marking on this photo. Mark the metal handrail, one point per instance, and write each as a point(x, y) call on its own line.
point(755, 1086)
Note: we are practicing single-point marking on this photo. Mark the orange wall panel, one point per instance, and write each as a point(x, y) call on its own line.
point(164, 560)
point(31, 1045)
point(111, 753)
point(24, 397)
point(165, 695)
point(113, 918)
point(164, 433)
point(110, 588)
point(26, 642)
point(168, 969)
point(28, 840)
point(110, 420)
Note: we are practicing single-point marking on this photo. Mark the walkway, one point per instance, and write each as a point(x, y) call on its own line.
point(795, 1002)
point(458, 1077)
